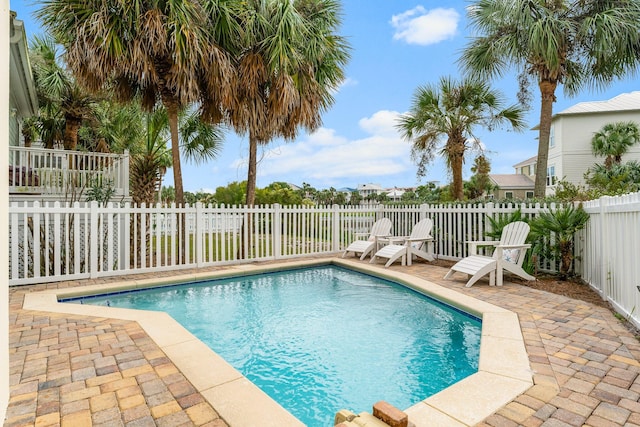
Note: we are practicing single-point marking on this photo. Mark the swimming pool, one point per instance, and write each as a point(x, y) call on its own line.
point(307, 319)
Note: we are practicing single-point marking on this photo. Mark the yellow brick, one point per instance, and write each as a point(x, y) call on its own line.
point(132, 372)
point(131, 402)
point(128, 391)
point(82, 418)
point(201, 413)
point(165, 409)
point(516, 412)
point(166, 370)
point(48, 419)
point(102, 379)
point(103, 401)
point(118, 384)
point(85, 393)
point(626, 360)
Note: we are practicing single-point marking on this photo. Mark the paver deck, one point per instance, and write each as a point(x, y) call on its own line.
point(77, 370)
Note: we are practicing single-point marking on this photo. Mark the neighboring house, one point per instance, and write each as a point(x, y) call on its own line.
point(395, 194)
point(512, 186)
point(366, 190)
point(527, 168)
point(42, 174)
point(570, 154)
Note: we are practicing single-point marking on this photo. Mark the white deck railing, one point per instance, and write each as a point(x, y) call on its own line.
point(55, 242)
point(63, 172)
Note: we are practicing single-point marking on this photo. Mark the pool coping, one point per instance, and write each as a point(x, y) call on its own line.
point(504, 371)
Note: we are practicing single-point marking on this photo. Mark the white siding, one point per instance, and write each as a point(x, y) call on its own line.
point(572, 154)
point(4, 214)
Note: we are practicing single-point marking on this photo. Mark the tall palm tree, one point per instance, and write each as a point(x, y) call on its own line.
point(571, 43)
point(613, 140)
point(289, 62)
point(163, 51)
point(453, 109)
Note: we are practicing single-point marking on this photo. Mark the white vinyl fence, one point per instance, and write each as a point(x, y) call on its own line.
point(609, 250)
point(54, 241)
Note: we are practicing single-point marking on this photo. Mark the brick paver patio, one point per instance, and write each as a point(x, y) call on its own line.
point(75, 371)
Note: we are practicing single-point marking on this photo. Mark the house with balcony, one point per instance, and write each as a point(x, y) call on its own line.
point(368, 190)
point(36, 173)
point(572, 129)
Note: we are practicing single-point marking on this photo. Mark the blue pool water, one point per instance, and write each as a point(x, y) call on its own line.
point(321, 339)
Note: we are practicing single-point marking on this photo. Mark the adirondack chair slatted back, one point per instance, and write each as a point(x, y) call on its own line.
point(421, 230)
point(381, 227)
point(514, 233)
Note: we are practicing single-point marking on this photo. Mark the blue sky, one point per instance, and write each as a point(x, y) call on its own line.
point(397, 46)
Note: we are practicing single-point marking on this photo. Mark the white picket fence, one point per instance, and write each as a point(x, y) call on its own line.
point(55, 242)
point(609, 251)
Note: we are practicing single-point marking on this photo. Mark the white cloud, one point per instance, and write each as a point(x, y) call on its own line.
point(425, 27)
point(381, 123)
point(325, 156)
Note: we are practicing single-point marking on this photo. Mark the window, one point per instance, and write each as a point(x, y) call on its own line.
point(551, 176)
point(529, 195)
point(508, 194)
point(552, 138)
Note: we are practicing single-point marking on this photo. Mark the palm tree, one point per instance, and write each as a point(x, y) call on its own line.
point(199, 142)
point(553, 235)
point(289, 62)
point(453, 109)
point(163, 51)
point(64, 104)
point(613, 140)
point(571, 43)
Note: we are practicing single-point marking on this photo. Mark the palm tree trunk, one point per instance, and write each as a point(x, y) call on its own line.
point(251, 176)
point(456, 159)
point(72, 124)
point(172, 114)
point(547, 92)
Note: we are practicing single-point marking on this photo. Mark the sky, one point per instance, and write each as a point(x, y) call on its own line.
point(396, 47)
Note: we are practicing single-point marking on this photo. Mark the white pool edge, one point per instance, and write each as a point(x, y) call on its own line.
point(504, 371)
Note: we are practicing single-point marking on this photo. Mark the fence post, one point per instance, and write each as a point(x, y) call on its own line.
point(94, 217)
point(124, 173)
point(125, 244)
point(276, 231)
point(199, 231)
point(336, 233)
point(604, 258)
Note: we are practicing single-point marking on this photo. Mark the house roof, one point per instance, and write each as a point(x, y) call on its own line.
point(369, 187)
point(512, 181)
point(623, 102)
point(23, 89)
point(529, 161)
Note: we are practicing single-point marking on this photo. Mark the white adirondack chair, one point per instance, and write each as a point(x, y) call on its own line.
point(419, 244)
point(381, 228)
point(508, 255)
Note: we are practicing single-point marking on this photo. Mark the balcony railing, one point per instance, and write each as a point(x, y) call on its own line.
point(62, 172)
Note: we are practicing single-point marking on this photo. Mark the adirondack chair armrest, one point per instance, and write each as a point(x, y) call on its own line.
point(473, 245)
point(524, 245)
point(419, 239)
point(361, 235)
